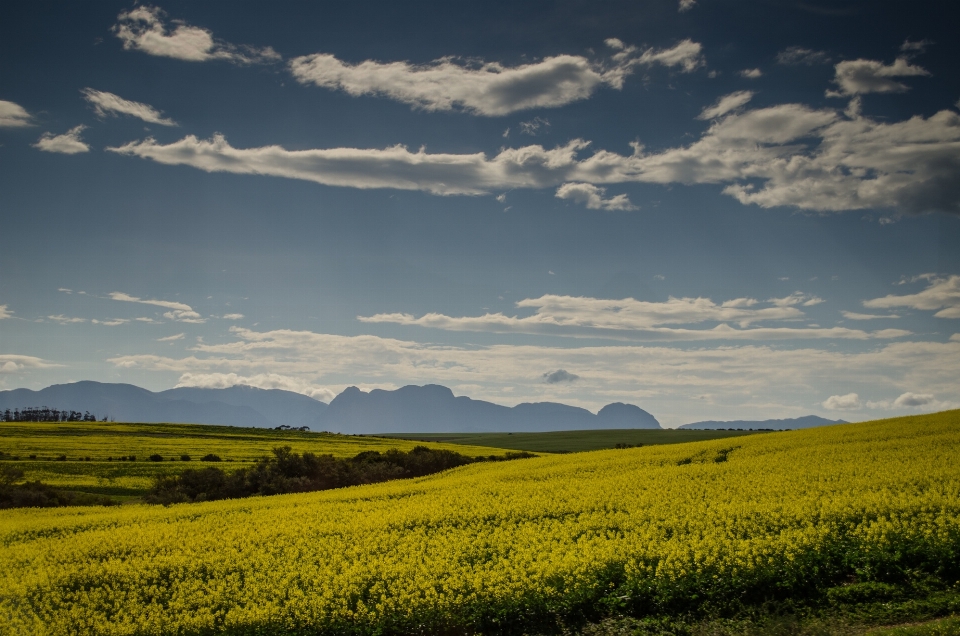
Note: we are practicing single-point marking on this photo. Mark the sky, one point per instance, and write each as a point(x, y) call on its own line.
point(712, 209)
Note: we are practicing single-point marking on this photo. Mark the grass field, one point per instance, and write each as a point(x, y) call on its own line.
point(571, 441)
point(860, 522)
point(101, 441)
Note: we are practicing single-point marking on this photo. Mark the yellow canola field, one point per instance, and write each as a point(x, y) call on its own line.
point(492, 545)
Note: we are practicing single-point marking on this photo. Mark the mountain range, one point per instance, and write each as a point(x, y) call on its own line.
point(411, 409)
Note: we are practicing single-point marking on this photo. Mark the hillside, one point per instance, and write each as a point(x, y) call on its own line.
point(92, 451)
point(790, 424)
point(862, 519)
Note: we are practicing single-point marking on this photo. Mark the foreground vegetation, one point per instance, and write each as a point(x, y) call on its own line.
point(114, 459)
point(860, 522)
point(573, 441)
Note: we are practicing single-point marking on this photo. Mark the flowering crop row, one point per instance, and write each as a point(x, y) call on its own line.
point(493, 547)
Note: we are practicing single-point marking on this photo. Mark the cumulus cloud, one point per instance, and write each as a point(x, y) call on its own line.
point(663, 378)
point(785, 155)
point(848, 402)
point(726, 104)
point(233, 316)
point(14, 116)
point(858, 77)
point(751, 73)
point(560, 375)
point(260, 381)
point(105, 103)
point(143, 29)
point(913, 399)
point(5, 312)
point(180, 312)
point(489, 88)
point(592, 197)
point(12, 363)
point(941, 294)
point(793, 55)
point(796, 298)
point(641, 320)
point(686, 5)
point(68, 143)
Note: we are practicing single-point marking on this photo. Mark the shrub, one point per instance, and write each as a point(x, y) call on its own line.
point(156, 457)
point(210, 457)
point(184, 458)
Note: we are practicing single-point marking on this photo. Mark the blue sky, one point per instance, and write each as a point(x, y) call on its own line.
point(709, 209)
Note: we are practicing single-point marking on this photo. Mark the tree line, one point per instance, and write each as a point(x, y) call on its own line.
point(46, 414)
point(289, 472)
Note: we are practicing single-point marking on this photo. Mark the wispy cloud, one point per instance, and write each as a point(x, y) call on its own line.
point(178, 336)
point(592, 197)
point(560, 375)
point(105, 103)
point(489, 88)
point(113, 322)
point(65, 320)
point(798, 55)
point(852, 315)
point(260, 381)
point(751, 73)
point(5, 312)
point(143, 29)
point(68, 143)
point(669, 375)
point(785, 155)
point(178, 311)
point(686, 5)
point(12, 363)
point(14, 116)
point(726, 104)
point(631, 319)
point(233, 316)
point(941, 294)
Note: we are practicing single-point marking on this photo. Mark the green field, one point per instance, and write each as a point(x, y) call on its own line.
point(93, 451)
point(571, 441)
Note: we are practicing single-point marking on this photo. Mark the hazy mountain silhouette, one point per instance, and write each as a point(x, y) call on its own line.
point(434, 409)
point(808, 421)
point(411, 409)
point(236, 406)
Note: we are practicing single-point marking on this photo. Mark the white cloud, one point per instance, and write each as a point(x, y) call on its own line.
point(662, 379)
point(65, 320)
point(142, 28)
point(592, 196)
point(109, 104)
point(913, 399)
point(233, 316)
point(850, 401)
point(686, 5)
point(941, 293)
point(178, 336)
point(751, 73)
point(14, 116)
point(851, 315)
point(918, 46)
point(533, 126)
point(4, 312)
point(726, 104)
point(858, 77)
point(640, 320)
point(489, 88)
point(113, 322)
point(68, 143)
point(800, 55)
point(796, 298)
point(785, 155)
point(260, 381)
point(12, 363)
point(178, 311)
